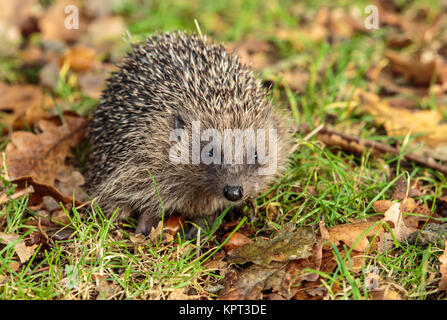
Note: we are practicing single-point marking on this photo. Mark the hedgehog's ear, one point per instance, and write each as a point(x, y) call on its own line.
point(179, 123)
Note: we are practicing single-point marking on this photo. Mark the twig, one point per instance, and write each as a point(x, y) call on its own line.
point(4, 198)
point(427, 162)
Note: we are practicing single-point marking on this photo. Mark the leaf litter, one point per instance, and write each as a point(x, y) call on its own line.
point(252, 268)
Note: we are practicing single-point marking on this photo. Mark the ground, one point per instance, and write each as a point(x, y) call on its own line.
point(359, 213)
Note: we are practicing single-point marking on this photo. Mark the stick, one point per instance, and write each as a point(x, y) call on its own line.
point(427, 162)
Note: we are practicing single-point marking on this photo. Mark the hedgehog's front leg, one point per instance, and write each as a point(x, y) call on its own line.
point(145, 223)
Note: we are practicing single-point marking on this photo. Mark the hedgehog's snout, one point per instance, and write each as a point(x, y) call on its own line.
point(233, 193)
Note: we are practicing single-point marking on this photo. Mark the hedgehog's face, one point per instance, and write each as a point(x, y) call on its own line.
point(235, 180)
point(228, 163)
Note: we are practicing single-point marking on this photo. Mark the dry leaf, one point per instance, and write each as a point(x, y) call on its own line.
point(443, 268)
point(93, 81)
point(236, 240)
point(138, 238)
point(286, 246)
point(105, 33)
point(297, 78)
point(42, 156)
point(254, 52)
point(23, 251)
point(216, 262)
point(156, 232)
point(421, 73)
point(106, 289)
point(382, 205)
point(24, 104)
point(399, 122)
point(386, 293)
point(351, 233)
point(311, 291)
point(180, 294)
point(78, 58)
point(17, 194)
point(248, 284)
point(400, 229)
point(41, 190)
point(401, 192)
point(52, 22)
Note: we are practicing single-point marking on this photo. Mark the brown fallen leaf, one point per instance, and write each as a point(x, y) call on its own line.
point(283, 279)
point(401, 230)
point(236, 240)
point(382, 205)
point(216, 262)
point(372, 279)
point(403, 191)
point(23, 105)
point(93, 81)
point(292, 275)
point(421, 73)
point(52, 22)
point(297, 78)
point(293, 278)
point(106, 289)
point(42, 156)
point(286, 246)
point(23, 251)
point(180, 294)
point(278, 266)
point(385, 293)
point(78, 59)
point(252, 51)
point(311, 291)
point(400, 122)
point(398, 40)
point(19, 12)
point(36, 238)
point(247, 284)
point(155, 233)
point(443, 268)
point(17, 194)
point(138, 238)
point(357, 233)
point(105, 34)
point(41, 190)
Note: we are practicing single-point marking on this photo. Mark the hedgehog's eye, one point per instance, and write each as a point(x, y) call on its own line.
point(255, 156)
point(211, 153)
point(179, 123)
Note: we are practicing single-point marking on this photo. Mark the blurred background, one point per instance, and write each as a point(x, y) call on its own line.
point(313, 54)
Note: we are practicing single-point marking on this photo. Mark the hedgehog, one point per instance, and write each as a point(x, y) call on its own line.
point(147, 157)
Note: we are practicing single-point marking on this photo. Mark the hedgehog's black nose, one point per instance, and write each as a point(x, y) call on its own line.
point(233, 193)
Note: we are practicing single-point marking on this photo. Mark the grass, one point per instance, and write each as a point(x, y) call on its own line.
point(318, 183)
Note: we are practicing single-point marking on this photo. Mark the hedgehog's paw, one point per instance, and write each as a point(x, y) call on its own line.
point(145, 223)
